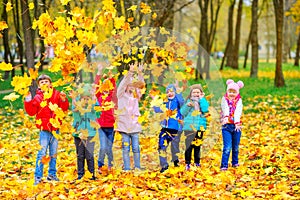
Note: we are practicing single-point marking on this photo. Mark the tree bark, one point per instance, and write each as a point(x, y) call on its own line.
point(28, 34)
point(297, 52)
point(229, 46)
point(254, 40)
point(20, 47)
point(8, 58)
point(279, 17)
point(235, 61)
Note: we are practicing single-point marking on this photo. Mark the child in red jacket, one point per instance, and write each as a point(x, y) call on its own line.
point(39, 106)
point(107, 99)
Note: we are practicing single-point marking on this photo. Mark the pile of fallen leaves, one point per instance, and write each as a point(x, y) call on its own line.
point(269, 157)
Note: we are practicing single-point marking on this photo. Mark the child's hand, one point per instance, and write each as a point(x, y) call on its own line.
point(63, 96)
point(225, 120)
point(100, 68)
point(141, 67)
point(238, 127)
point(190, 104)
point(131, 67)
point(202, 95)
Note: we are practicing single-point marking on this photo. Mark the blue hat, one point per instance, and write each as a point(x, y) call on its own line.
point(171, 86)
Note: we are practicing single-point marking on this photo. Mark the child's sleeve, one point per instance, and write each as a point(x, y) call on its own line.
point(32, 106)
point(123, 84)
point(238, 111)
point(204, 105)
point(224, 107)
point(64, 105)
point(185, 109)
point(180, 99)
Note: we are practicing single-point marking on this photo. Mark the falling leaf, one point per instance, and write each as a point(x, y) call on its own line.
point(46, 159)
point(5, 66)
point(11, 97)
point(8, 7)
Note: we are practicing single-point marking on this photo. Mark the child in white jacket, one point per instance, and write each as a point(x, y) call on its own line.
point(129, 94)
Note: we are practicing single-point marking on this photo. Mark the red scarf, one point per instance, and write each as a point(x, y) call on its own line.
point(232, 106)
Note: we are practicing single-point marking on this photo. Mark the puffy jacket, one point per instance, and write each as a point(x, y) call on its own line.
point(44, 114)
point(83, 121)
point(172, 104)
point(191, 120)
point(107, 118)
point(128, 107)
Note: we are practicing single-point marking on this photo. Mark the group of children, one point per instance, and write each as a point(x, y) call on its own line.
point(119, 113)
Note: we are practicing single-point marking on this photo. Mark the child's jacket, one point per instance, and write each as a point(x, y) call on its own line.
point(232, 109)
point(172, 105)
point(107, 118)
point(44, 114)
point(128, 107)
point(83, 121)
point(192, 120)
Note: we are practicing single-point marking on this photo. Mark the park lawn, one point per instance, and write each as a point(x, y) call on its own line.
point(263, 85)
point(269, 161)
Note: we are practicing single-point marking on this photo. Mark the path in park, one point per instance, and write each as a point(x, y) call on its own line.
point(6, 91)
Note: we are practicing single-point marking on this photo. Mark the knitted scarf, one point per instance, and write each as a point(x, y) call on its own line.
point(232, 106)
point(196, 103)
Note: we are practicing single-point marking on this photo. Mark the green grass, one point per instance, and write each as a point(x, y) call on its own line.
point(261, 86)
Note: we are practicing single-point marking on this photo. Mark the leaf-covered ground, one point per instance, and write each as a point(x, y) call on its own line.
point(269, 158)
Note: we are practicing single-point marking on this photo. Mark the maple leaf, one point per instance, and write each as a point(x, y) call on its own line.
point(5, 66)
point(31, 6)
point(3, 25)
point(12, 97)
point(8, 7)
point(45, 159)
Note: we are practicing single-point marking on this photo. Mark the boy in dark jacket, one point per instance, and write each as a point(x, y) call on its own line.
point(38, 106)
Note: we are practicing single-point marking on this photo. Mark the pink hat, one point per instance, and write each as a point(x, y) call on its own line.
point(235, 86)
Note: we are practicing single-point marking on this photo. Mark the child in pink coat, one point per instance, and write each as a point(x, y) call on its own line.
point(129, 94)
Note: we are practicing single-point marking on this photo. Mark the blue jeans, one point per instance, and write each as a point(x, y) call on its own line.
point(133, 139)
point(47, 140)
point(175, 146)
point(106, 138)
point(165, 137)
point(231, 140)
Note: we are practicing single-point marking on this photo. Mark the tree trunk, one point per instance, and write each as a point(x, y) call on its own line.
point(279, 17)
point(286, 33)
point(20, 48)
point(229, 46)
point(297, 52)
point(28, 34)
point(29, 41)
point(235, 61)
point(203, 39)
point(230, 56)
point(8, 58)
point(247, 47)
point(254, 40)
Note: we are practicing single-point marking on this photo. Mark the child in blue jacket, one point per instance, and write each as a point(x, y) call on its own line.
point(84, 116)
point(171, 125)
point(194, 124)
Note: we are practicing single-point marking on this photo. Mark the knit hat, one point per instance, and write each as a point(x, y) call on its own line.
point(171, 86)
point(43, 77)
point(196, 86)
point(87, 90)
point(235, 86)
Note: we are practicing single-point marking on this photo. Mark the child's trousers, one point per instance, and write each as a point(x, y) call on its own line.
point(189, 146)
point(84, 151)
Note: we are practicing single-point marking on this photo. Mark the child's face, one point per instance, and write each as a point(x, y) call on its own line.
point(232, 93)
point(85, 100)
point(171, 93)
point(45, 83)
point(196, 93)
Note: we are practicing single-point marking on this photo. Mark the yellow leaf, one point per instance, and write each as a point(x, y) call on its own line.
point(43, 104)
point(31, 6)
point(38, 121)
point(12, 97)
point(5, 66)
point(8, 7)
point(133, 7)
point(64, 2)
point(143, 23)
